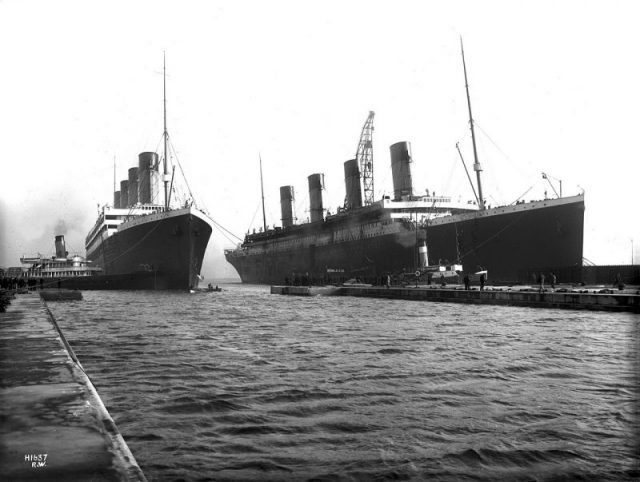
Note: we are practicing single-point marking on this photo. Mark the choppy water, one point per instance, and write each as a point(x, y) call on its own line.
point(244, 385)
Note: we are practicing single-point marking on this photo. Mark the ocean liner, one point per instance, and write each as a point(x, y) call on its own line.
point(403, 235)
point(141, 241)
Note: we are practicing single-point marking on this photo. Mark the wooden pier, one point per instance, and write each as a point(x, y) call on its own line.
point(54, 425)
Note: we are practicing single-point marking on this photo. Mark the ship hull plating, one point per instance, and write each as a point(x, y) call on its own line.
point(165, 252)
point(504, 241)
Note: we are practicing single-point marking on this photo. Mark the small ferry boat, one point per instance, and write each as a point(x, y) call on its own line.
point(59, 266)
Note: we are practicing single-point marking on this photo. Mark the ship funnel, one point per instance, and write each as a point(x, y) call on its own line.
point(61, 251)
point(133, 186)
point(124, 194)
point(423, 255)
point(352, 184)
point(116, 199)
point(287, 198)
point(147, 177)
point(401, 170)
point(316, 186)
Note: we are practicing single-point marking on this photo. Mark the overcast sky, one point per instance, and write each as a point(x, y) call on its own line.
point(554, 87)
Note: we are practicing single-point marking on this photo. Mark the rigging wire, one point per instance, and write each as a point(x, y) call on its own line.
point(227, 237)
point(512, 163)
point(452, 171)
point(220, 227)
point(223, 230)
point(381, 191)
point(493, 142)
point(253, 218)
point(524, 173)
point(182, 171)
point(489, 175)
point(157, 149)
point(523, 194)
point(306, 208)
point(446, 187)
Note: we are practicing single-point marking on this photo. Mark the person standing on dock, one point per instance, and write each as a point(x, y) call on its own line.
point(482, 282)
point(541, 279)
point(553, 280)
point(466, 282)
point(388, 281)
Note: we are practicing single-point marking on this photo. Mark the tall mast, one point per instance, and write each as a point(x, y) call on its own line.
point(165, 134)
point(476, 166)
point(264, 217)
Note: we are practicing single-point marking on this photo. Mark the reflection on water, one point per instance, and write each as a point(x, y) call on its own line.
point(244, 385)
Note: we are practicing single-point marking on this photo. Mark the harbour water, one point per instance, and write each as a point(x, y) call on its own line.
point(244, 385)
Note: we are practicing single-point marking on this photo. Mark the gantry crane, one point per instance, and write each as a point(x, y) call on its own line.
point(364, 155)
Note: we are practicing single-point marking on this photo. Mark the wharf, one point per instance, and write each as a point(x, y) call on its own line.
point(54, 425)
point(306, 290)
point(579, 299)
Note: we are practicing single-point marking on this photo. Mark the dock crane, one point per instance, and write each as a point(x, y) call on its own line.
point(364, 156)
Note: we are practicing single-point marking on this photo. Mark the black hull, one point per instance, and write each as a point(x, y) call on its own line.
point(164, 254)
point(133, 281)
point(504, 241)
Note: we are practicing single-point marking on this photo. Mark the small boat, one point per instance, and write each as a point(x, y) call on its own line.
point(441, 274)
point(208, 289)
point(356, 282)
